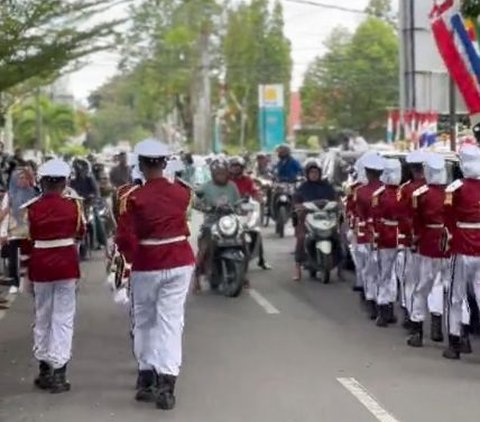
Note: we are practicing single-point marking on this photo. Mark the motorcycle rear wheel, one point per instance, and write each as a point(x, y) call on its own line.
point(282, 219)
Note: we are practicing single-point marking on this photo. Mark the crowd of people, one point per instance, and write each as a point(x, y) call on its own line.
point(411, 243)
point(418, 243)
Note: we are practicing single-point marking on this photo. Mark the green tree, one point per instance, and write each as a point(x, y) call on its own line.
point(58, 123)
point(380, 8)
point(40, 37)
point(255, 52)
point(356, 80)
point(159, 71)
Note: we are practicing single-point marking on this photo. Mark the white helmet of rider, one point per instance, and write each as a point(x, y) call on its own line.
point(237, 161)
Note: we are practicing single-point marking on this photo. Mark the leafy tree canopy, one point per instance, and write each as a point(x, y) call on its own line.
point(40, 37)
point(354, 83)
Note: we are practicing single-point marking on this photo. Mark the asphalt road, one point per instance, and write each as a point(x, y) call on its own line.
point(284, 352)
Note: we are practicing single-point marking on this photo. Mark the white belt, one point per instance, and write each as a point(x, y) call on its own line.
point(462, 225)
point(391, 223)
point(159, 242)
point(435, 226)
point(362, 224)
point(57, 243)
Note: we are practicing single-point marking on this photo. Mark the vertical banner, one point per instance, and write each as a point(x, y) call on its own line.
point(271, 116)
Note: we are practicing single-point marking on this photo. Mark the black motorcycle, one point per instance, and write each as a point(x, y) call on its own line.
point(282, 205)
point(228, 257)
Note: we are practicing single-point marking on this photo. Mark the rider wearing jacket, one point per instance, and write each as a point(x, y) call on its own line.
point(314, 189)
point(247, 189)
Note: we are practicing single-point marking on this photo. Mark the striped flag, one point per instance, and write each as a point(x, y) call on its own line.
point(458, 51)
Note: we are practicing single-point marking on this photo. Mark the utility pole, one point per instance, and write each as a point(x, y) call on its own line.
point(453, 114)
point(203, 111)
point(38, 121)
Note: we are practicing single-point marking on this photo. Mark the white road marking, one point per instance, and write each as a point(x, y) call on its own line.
point(263, 302)
point(364, 397)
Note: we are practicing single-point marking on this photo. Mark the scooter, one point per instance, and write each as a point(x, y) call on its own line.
point(251, 221)
point(229, 259)
point(281, 207)
point(322, 239)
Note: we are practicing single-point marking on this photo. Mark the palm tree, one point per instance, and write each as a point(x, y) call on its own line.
point(58, 122)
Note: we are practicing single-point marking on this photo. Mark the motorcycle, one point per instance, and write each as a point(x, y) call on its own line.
point(229, 260)
point(265, 185)
point(251, 221)
point(322, 239)
point(100, 225)
point(281, 207)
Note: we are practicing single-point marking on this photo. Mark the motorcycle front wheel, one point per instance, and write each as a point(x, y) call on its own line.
point(282, 219)
point(234, 278)
point(327, 266)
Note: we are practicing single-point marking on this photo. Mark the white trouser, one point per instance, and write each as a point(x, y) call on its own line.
point(159, 309)
point(386, 280)
point(400, 268)
point(54, 316)
point(410, 277)
point(465, 272)
point(428, 292)
point(361, 256)
point(370, 274)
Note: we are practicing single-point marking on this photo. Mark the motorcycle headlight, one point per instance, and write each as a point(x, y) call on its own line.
point(228, 225)
point(283, 198)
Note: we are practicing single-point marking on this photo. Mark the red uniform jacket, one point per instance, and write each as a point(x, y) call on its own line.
point(350, 204)
point(155, 211)
point(246, 186)
point(54, 217)
point(405, 197)
point(387, 214)
point(363, 212)
point(463, 206)
point(429, 220)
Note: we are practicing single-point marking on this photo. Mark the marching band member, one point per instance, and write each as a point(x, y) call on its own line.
point(366, 256)
point(155, 240)
point(463, 221)
point(433, 264)
point(409, 276)
point(387, 216)
point(359, 178)
point(55, 222)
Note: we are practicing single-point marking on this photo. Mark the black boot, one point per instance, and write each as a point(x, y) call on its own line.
point(146, 386)
point(358, 289)
point(416, 337)
point(382, 318)
point(436, 328)
point(372, 309)
point(44, 379)
point(453, 350)
point(165, 399)
point(59, 381)
point(406, 324)
point(392, 319)
point(465, 345)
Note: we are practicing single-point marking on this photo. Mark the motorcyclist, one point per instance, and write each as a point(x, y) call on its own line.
point(314, 189)
point(220, 191)
point(287, 169)
point(262, 166)
point(247, 188)
point(85, 186)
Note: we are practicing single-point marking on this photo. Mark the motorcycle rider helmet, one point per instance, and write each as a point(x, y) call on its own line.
point(237, 161)
point(218, 164)
point(81, 165)
point(310, 164)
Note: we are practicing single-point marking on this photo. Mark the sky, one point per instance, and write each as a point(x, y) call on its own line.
point(306, 26)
